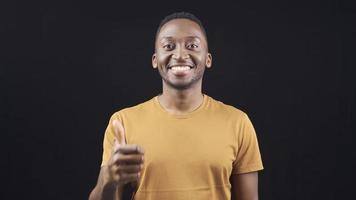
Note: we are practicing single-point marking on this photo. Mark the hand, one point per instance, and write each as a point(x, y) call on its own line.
point(126, 161)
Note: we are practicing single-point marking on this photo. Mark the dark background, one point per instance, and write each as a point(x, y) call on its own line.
point(67, 66)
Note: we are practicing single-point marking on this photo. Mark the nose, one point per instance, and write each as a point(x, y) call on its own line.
point(180, 53)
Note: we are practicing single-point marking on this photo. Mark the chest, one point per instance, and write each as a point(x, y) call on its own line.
point(186, 150)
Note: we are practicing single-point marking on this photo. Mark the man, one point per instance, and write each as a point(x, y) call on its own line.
point(181, 144)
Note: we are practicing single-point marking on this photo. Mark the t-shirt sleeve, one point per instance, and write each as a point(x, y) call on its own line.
point(248, 158)
point(109, 138)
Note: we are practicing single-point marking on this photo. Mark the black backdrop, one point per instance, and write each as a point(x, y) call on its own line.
point(67, 66)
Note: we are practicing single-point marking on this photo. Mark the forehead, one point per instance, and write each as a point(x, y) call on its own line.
point(181, 28)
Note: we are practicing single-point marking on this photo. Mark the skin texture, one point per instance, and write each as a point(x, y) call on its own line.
point(244, 186)
point(180, 42)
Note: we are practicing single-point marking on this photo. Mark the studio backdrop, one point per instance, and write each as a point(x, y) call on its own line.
point(67, 67)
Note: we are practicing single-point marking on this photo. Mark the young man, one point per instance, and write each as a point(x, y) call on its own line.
point(181, 144)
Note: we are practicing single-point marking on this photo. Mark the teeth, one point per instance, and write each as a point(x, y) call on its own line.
point(181, 68)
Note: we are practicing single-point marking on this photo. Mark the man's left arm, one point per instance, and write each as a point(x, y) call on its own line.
point(244, 186)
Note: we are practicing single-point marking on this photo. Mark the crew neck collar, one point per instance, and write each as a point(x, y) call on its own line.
point(200, 108)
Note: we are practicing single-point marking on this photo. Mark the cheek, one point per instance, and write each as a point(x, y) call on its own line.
point(163, 59)
point(198, 59)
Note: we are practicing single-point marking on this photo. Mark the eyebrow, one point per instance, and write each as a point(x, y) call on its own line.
point(188, 37)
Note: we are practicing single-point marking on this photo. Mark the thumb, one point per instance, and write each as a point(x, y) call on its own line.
point(119, 132)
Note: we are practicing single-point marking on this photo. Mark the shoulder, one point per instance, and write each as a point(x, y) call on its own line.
point(138, 109)
point(220, 107)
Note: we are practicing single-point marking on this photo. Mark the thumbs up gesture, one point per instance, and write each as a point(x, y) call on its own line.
point(127, 160)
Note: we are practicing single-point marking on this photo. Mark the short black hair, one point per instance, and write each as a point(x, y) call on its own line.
point(181, 15)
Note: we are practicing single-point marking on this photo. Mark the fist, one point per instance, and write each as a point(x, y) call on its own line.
point(127, 160)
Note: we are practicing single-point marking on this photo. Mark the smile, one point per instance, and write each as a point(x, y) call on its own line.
point(180, 68)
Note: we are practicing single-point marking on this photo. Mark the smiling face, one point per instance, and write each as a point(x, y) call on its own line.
point(181, 54)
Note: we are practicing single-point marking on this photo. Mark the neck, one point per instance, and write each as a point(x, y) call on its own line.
point(181, 101)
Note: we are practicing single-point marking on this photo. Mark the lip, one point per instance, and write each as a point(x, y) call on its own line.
point(180, 64)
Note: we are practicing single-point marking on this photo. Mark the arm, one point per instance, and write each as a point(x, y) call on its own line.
point(244, 186)
point(104, 190)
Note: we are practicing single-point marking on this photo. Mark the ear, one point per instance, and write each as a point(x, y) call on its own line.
point(209, 60)
point(154, 61)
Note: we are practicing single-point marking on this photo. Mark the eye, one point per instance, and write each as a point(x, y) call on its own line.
point(192, 46)
point(168, 46)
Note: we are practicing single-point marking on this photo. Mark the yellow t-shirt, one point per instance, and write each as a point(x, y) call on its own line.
point(191, 156)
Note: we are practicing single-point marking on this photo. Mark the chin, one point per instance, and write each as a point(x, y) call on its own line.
point(180, 85)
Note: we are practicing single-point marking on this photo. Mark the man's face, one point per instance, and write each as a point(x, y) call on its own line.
point(181, 54)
